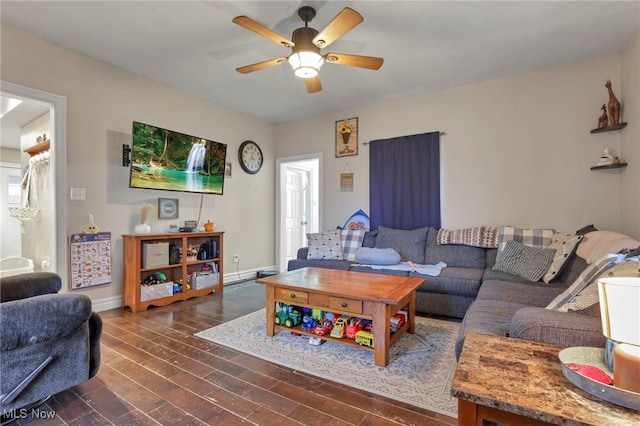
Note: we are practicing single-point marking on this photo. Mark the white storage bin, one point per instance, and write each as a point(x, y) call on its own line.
point(155, 254)
point(201, 281)
point(156, 291)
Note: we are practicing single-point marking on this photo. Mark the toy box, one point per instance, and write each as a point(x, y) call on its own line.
point(155, 254)
point(156, 291)
point(200, 281)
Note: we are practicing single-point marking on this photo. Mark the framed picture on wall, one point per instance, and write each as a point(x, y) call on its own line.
point(347, 137)
point(167, 208)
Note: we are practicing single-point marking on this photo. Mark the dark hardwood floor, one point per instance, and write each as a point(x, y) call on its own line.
point(154, 371)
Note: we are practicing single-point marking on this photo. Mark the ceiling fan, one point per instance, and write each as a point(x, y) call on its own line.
point(305, 58)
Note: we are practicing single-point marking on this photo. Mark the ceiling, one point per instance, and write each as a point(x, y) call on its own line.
point(426, 45)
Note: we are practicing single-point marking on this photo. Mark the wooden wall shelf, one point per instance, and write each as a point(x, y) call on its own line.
point(610, 166)
point(609, 128)
point(38, 148)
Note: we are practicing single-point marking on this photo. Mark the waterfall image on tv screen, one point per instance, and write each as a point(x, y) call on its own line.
point(172, 161)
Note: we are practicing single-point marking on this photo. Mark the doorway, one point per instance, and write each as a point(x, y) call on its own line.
point(56, 105)
point(297, 204)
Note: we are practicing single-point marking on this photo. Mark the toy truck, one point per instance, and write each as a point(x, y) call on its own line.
point(288, 316)
point(355, 325)
point(338, 329)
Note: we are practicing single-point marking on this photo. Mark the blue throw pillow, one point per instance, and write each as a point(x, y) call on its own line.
point(377, 256)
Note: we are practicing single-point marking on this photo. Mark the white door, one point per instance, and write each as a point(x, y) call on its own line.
point(297, 211)
point(297, 204)
point(10, 196)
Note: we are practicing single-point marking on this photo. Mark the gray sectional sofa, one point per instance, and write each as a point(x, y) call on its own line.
point(488, 301)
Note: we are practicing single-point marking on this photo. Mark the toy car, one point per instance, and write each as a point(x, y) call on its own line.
point(315, 341)
point(338, 329)
point(323, 328)
point(354, 326)
point(308, 322)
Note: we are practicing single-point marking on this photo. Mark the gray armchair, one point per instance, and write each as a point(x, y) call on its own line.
point(49, 342)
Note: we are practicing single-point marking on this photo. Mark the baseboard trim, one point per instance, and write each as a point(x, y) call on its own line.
point(114, 302)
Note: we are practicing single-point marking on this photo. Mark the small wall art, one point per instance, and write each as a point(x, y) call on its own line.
point(347, 137)
point(167, 208)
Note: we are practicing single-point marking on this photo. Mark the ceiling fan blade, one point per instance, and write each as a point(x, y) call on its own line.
point(261, 65)
point(339, 26)
point(258, 28)
point(313, 84)
point(368, 62)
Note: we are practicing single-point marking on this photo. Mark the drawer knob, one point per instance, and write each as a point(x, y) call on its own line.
point(293, 296)
point(344, 304)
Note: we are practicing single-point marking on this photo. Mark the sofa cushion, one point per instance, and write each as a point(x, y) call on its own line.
point(598, 243)
point(408, 243)
point(377, 256)
point(527, 262)
point(529, 237)
point(453, 255)
point(589, 296)
point(351, 241)
point(325, 245)
point(585, 278)
point(491, 317)
point(452, 280)
point(370, 238)
point(532, 294)
point(565, 246)
point(342, 265)
point(361, 268)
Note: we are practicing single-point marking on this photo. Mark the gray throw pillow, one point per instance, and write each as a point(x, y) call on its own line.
point(525, 261)
point(409, 244)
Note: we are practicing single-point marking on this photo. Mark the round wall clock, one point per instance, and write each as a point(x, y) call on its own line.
point(250, 156)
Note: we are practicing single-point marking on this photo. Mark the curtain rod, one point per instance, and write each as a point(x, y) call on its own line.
point(441, 134)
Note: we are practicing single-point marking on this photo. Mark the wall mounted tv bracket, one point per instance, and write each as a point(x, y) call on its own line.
point(126, 150)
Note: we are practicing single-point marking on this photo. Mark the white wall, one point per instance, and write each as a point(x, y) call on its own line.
point(517, 149)
point(103, 100)
point(631, 136)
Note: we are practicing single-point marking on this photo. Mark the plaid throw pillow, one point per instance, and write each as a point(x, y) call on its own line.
point(586, 277)
point(528, 237)
point(589, 296)
point(351, 242)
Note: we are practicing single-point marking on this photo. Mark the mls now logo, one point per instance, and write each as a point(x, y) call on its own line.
point(34, 413)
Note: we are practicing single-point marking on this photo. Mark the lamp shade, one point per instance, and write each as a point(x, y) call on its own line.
point(620, 308)
point(305, 64)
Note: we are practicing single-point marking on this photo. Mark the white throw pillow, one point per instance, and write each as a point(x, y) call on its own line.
point(325, 245)
point(564, 245)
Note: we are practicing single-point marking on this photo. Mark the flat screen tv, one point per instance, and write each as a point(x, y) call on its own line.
point(172, 161)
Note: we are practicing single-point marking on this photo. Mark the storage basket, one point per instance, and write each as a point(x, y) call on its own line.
point(156, 291)
point(201, 281)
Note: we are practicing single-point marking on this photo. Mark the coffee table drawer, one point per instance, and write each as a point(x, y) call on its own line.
point(292, 296)
point(346, 305)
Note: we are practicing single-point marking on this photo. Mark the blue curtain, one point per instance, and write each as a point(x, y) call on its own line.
point(404, 181)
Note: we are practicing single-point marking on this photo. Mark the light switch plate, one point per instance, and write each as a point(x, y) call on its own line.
point(78, 194)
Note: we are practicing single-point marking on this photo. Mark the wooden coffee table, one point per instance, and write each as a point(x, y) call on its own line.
point(376, 297)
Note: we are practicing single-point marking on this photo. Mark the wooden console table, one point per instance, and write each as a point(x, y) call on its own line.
point(518, 382)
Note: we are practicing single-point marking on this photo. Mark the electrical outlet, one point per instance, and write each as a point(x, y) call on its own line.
point(236, 258)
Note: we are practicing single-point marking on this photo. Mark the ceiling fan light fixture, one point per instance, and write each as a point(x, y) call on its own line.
point(306, 64)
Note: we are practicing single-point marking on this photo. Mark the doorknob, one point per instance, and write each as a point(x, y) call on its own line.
point(303, 223)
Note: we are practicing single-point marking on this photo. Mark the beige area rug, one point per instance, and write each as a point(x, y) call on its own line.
point(420, 370)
